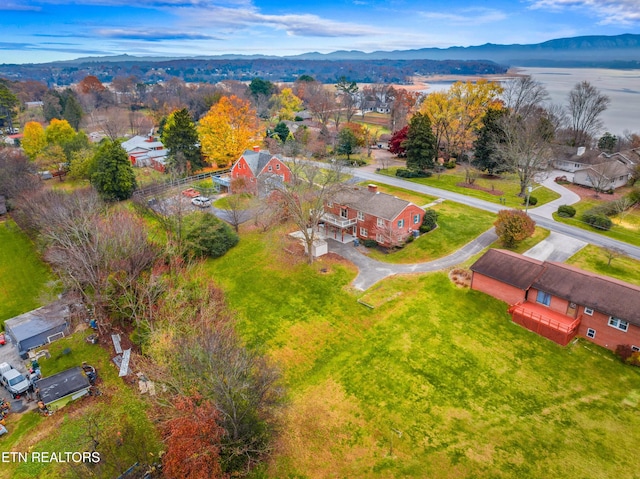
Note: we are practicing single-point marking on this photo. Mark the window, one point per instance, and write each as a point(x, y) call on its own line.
point(416, 219)
point(277, 166)
point(400, 223)
point(380, 222)
point(379, 238)
point(329, 204)
point(360, 216)
point(270, 168)
point(591, 333)
point(588, 311)
point(364, 232)
point(618, 323)
point(635, 348)
point(343, 212)
point(543, 298)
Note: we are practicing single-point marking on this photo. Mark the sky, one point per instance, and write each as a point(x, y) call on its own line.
point(37, 31)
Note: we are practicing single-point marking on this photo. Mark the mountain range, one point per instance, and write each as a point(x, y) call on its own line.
point(621, 51)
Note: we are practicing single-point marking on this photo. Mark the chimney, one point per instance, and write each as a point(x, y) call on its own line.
point(372, 188)
point(581, 150)
point(256, 149)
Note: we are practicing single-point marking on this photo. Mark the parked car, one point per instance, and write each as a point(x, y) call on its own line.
point(11, 379)
point(201, 201)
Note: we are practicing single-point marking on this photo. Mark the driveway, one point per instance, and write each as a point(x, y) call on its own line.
point(556, 247)
point(567, 197)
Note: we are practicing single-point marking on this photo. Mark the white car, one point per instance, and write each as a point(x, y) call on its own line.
point(15, 382)
point(201, 201)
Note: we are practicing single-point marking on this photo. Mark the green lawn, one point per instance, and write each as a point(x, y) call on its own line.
point(24, 279)
point(119, 409)
point(223, 203)
point(507, 184)
point(626, 229)
point(416, 198)
point(457, 225)
point(524, 245)
point(593, 258)
point(436, 382)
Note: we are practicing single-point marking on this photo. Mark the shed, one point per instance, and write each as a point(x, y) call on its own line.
point(38, 327)
point(61, 388)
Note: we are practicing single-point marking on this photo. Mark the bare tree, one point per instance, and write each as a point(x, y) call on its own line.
point(525, 147)
point(17, 173)
point(585, 105)
point(239, 203)
point(612, 252)
point(321, 101)
point(523, 96)
point(391, 237)
point(623, 207)
point(304, 197)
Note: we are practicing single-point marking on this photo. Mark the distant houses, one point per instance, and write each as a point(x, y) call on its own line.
point(146, 151)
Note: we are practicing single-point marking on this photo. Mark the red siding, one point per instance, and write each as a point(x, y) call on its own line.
point(277, 168)
point(557, 304)
point(241, 170)
point(607, 336)
point(502, 291)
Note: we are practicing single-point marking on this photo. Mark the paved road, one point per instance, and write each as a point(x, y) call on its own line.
point(540, 218)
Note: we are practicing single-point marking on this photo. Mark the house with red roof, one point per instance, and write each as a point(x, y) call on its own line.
point(259, 168)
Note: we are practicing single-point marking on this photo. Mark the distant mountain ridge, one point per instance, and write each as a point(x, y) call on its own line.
point(594, 50)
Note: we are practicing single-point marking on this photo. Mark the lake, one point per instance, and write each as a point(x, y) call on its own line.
point(621, 86)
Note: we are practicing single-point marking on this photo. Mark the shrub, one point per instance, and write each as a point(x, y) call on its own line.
point(429, 221)
point(598, 220)
point(566, 211)
point(532, 200)
point(298, 118)
point(206, 235)
point(628, 355)
point(405, 173)
point(409, 239)
point(513, 226)
point(450, 165)
point(369, 243)
point(634, 195)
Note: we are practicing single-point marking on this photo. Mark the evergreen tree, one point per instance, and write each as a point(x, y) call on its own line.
point(180, 137)
point(72, 112)
point(113, 177)
point(487, 154)
point(347, 143)
point(420, 145)
point(282, 131)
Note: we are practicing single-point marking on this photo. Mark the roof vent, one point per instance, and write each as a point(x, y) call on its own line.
point(581, 150)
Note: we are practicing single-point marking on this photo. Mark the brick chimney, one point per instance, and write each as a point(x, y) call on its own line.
point(373, 188)
point(256, 149)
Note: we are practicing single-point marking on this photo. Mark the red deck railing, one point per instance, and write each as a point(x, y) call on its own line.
point(559, 331)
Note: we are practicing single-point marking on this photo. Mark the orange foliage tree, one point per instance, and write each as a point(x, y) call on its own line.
point(91, 84)
point(229, 128)
point(513, 226)
point(193, 440)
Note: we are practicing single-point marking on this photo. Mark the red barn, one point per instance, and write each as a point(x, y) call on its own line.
point(260, 167)
point(559, 301)
point(366, 213)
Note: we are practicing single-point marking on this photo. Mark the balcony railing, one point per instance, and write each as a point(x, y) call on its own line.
point(338, 221)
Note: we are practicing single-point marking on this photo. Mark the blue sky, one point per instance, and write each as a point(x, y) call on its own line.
point(35, 31)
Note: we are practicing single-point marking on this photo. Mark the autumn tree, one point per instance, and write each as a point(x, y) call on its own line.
point(321, 101)
point(456, 114)
point(403, 106)
point(193, 437)
point(90, 84)
point(34, 140)
point(287, 104)
point(420, 144)
point(227, 130)
point(180, 137)
point(59, 132)
point(396, 141)
point(513, 226)
point(113, 175)
point(585, 105)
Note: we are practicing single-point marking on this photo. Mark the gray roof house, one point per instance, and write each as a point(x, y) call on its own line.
point(570, 159)
point(605, 176)
point(40, 326)
point(63, 387)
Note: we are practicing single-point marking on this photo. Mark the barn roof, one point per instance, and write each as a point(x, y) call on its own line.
point(62, 384)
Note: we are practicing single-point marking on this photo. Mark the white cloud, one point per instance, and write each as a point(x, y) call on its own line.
point(469, 16)
point(621, 12)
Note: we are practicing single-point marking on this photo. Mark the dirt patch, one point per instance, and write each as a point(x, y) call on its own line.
point(586, 193)
point(491, 191)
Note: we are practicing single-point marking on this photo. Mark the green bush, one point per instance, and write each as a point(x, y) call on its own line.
point(634, 195)
point(429, 221)
point(532, 201)
point(405, 173)
point(205, 235)
point(596, 219)
point(409, 239)
point(566, 211)
point(450, 165)
point(369, 243)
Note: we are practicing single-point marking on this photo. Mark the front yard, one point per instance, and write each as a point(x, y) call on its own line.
point(434, 382)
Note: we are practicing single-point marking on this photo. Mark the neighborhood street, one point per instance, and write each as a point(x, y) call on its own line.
point(540, 215)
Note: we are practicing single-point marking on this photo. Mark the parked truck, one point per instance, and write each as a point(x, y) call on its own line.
point(13, 380)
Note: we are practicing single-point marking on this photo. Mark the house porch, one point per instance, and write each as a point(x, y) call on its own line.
point(550, 324)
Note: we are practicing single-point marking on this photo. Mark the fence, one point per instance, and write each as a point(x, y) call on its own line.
point(157, 189)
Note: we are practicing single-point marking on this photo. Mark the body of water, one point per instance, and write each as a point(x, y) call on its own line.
point(621, 86)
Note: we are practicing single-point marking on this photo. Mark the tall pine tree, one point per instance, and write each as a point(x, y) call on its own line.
point(113, 176)
point(180, 137)
point(487, 156)
point(420, 145)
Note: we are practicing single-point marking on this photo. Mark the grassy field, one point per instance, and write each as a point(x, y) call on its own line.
point(593, 258)
point(24, 279)
point(457, 225)
point(435, 382)
point(407, 195)
point(507, 184)
point(625, 229)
